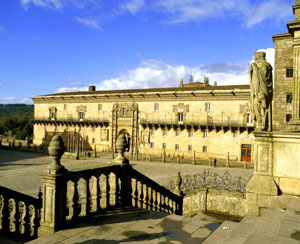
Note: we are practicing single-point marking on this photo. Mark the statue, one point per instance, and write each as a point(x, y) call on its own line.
point(261, 87)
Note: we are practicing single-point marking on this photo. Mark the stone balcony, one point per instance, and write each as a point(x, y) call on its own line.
point(197, 123)
point(72, 120)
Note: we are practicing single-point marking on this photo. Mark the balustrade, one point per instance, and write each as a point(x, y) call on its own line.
point(19, 214)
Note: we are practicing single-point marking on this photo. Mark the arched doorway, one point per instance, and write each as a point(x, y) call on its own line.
point(127, 137)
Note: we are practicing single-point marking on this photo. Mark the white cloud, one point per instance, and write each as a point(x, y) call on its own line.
point(152, 73)
point(60, 4)
point(91, 23)
point(52, 4)
point(6, 100)
point(74, 82)
point(251, 13)
point(132, 6)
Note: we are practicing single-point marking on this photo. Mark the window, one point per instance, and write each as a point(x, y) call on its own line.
point(156, 106)
point(164, 146)
point(191, 133)
point(249, 119)
point(65, 106)
point(165, 131)
point(152, 132)
point(124, 112)
point(152, 144)
point(93, 140)
point(205, 134)
point(100, 107)
point(207, 106)
point(289, 72)
point(180, 117)
point(81, 116)
point(204, 149)
point(52, 115)
point(176, 146)
point(289, 98)
point(288, 117)
point(190, 148)
point(177, 132)
point(235, 134)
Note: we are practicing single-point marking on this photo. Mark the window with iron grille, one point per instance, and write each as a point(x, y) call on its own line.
point(190, 148)
point(289, 98)
point(156, 106)
point(289, 72)
point(207, 106)
point(176, 146)
point(165, 131)
point(164, 146)
point(288, 117)
point(177, 132)
point(99, 107)
point(204, 149)
point(191, 133)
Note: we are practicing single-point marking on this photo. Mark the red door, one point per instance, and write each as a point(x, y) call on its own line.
point(246, 152)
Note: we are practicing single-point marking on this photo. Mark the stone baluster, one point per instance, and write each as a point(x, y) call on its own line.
point(1, 211)
point(140, 194)
point(158, 197)
point(103, 191)
point(12, 214)
point(107, 191)
point(150, 199)
point(31, 215)
point(85, 196)
point(145, 199)
point(22, 214)
point(112, 187)
point(54, 189)
point(94, 194)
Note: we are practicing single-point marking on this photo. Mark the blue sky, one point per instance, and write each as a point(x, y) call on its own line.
point(49, 46)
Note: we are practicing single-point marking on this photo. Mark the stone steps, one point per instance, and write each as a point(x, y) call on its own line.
point(274, 226)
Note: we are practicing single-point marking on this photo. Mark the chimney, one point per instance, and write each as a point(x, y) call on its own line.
point(215, 83)
point(92, 88)
point(181, 83)
point(206, 81)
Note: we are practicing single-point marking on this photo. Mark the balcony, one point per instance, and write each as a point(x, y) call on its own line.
point(97, 119)
point(217, 122)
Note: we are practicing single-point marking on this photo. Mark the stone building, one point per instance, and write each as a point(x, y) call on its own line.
point(192, 119)
point(286, 105)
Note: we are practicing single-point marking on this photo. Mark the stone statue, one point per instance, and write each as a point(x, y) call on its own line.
point(261, 86)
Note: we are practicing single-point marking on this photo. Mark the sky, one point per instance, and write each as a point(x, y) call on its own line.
point(50, 46)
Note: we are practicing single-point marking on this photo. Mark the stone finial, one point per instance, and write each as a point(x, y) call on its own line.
point(56, 150)
point(181, 83)
point(177, 183)
point(121, 147)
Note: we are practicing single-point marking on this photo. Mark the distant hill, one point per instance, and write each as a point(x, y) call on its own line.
point(7, 110)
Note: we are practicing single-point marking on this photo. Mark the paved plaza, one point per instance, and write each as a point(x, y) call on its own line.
point(20, 170)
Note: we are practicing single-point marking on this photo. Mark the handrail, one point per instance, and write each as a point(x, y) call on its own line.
point(19, 213)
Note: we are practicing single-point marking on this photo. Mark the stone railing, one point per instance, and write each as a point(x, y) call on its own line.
point(19, 214)
point(69, 195)
point(200, 121)
point(148, 194)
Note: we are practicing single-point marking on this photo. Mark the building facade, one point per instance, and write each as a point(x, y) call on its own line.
point(192, 119)
point(286, 105)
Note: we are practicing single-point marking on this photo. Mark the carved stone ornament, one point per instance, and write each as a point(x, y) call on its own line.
point(121, 147)
point(56, 150)
point(261, 86)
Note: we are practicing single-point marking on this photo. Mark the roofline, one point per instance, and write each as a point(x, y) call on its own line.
point(146, 90)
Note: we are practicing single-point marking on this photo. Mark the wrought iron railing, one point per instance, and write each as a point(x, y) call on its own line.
point(213, 180)
point(19, 214)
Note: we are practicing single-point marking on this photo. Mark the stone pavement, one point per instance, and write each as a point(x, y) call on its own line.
point(275, 226)
point(135, 226)
point(20, 170)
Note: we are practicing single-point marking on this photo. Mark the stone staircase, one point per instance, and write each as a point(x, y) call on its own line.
point(274, 226)
point(133, 225)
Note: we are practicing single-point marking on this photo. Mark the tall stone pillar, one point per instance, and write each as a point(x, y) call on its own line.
point(262, 186)
point(294, 30)
point(54, 187)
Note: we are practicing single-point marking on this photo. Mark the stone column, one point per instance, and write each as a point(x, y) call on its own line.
point(262, 186)
point(54, 187)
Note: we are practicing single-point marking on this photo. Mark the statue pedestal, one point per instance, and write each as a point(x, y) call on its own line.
point(276, 176)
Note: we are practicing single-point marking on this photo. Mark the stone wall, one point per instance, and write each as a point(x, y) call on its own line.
point(217, 201)
point(282, 85)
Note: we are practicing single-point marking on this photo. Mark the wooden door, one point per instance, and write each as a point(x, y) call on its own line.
point(246, 152)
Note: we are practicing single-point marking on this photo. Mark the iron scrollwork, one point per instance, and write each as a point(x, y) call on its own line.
point(213, 180)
